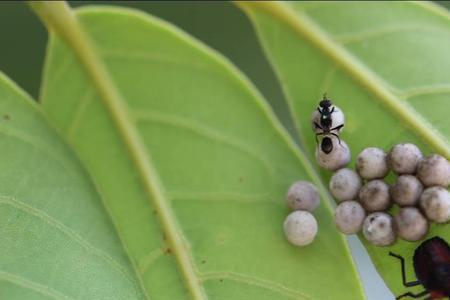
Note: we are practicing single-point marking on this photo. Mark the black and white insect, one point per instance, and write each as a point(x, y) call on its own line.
point(431, 263)
point(327, 120)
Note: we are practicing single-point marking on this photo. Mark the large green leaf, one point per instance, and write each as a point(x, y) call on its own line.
point(191, 161)
point(56, 240)
point(384, 63)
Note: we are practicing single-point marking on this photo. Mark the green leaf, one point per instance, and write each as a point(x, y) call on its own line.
point(191, 161)
point(384, 63)
point(56, 240)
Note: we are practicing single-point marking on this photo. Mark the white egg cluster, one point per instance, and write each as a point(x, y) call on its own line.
point(420, 192)
point(300, 226)
point(365, 198)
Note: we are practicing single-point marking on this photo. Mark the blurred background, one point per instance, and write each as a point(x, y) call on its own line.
point(220, 25)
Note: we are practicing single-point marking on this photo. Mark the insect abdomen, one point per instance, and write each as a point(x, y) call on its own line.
point(432, 265)
point(326, 145)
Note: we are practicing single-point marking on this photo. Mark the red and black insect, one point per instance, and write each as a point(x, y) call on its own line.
point(431, 262)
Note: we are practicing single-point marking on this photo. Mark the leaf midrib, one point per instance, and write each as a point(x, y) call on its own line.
point(265, 108)
point(63, 21)
point(302, 25)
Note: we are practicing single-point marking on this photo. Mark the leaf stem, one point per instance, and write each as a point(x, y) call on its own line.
point(309, 30)
point(59, 18)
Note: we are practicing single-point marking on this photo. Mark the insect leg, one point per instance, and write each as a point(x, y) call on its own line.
point(337, 128)
point(317, 134)
point(318, 126)
point(409, 294)
point(337, 137)
point(402, 261)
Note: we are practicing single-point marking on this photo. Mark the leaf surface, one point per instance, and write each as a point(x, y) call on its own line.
point(191, 162)
point(384, 63)
point(56, 240)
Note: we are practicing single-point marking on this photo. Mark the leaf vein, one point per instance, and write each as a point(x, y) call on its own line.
point(355, 37)
point(150, 258)
point(255, 281)
point(424, 90)
point(34, 286)
point(65, 23)
point(36, 143)
point(223, 196)
point(127, 54)
point(75, 122)
point(59, 72)
point(51, 221)
point(204, 131)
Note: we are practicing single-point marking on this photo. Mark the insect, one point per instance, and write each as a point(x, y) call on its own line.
point(326, 145)
point(431, 262)
point(327, 120)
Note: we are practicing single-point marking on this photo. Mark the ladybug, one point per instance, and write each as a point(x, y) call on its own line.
point(431, 262)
